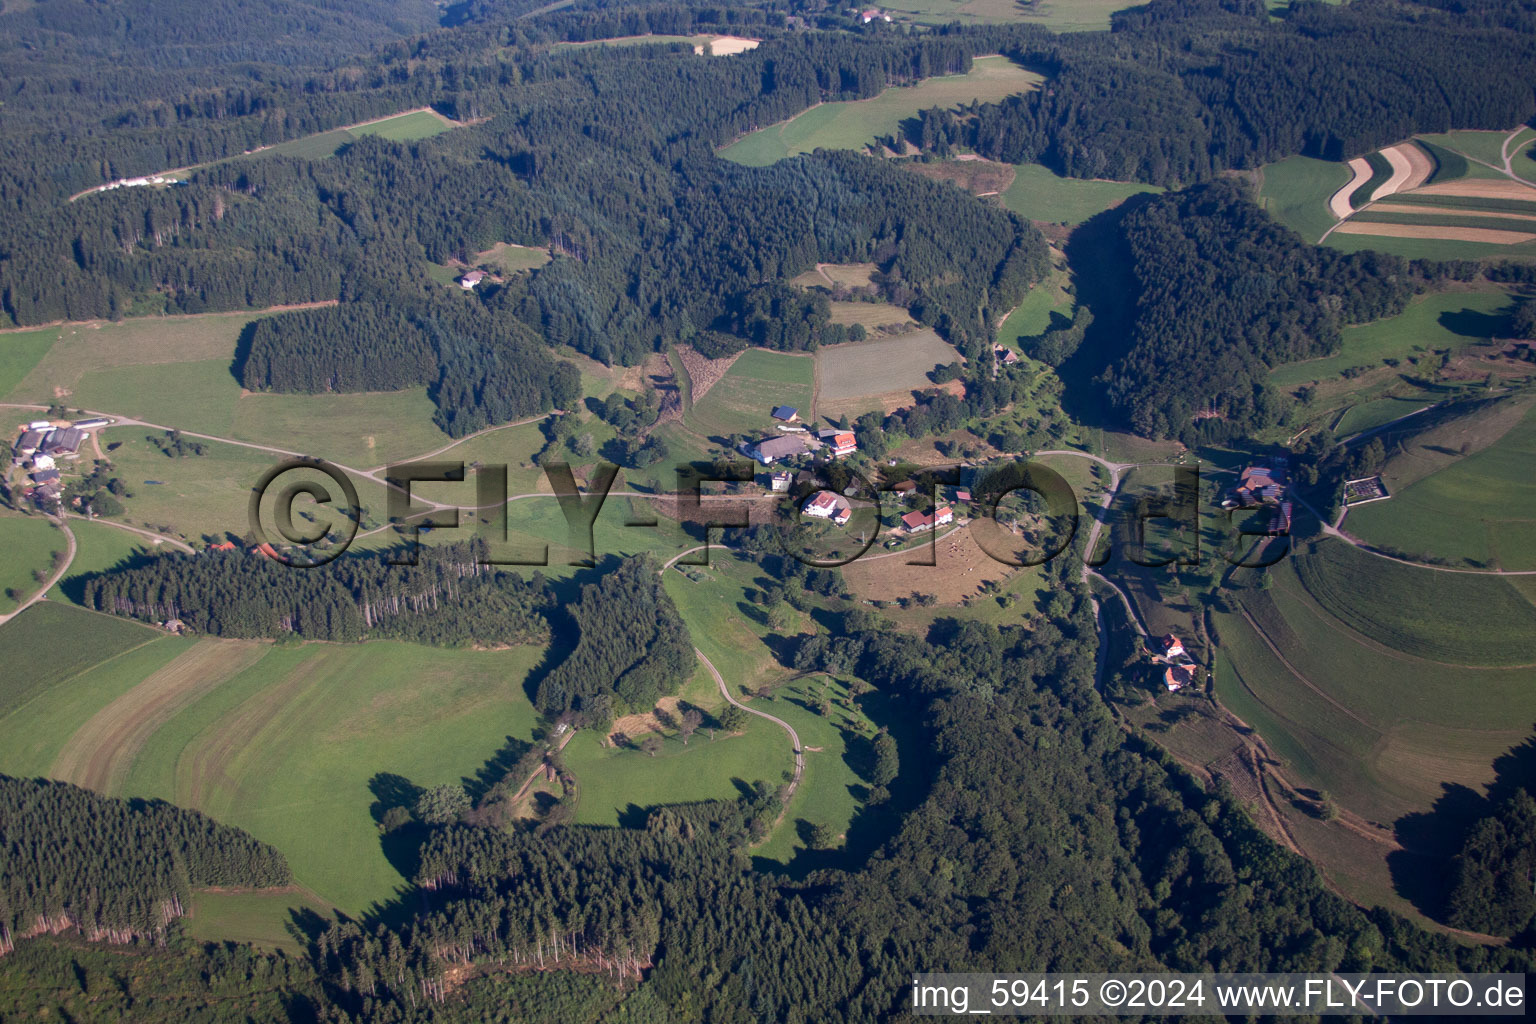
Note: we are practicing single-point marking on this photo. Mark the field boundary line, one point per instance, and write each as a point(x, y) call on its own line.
point(1259, 632)
point(286, 307)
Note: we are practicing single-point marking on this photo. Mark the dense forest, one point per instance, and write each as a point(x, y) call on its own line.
point(1182, 90)
point(633, 647)
point(115, 869)
point(1041, 836)
point(448, 597)
point(607, 157)
point(1224, 294)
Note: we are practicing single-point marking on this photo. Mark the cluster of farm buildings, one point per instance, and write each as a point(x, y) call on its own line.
point(796, 441)
point(1264, 486)
point(40, 449)
point(1178, 667)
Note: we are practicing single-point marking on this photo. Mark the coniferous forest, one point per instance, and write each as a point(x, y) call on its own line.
point(114, 869)
point(448, 597)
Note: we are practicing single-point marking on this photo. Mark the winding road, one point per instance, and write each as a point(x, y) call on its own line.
point(794, 737)
point(58, 574)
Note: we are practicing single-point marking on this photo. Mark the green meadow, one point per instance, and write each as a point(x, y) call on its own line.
point(1439, 320)
point(124, 369)
point(20, 351)
point(1479, 509)
point(612, 783)
point(1038, 193)
point(29, 543)
point(286, 748)
point(1372, 696)
point(858, 123)
point(1296, 191)
point(758, 380)
point(1057, 15)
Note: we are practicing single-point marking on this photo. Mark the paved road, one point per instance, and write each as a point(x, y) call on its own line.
point(58, 574)
point(794, 737)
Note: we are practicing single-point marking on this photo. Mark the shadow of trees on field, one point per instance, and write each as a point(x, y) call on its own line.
point(1471, 323)
point(1422, 870)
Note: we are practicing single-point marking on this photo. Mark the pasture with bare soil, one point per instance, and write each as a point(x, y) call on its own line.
point(854, 378)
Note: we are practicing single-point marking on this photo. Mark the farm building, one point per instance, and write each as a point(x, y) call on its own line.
point(223, 545)
point(42, 461)
point(93, 422)
point(786, 413)
point(1281, 522)
point(1176, 677)
point(921, 522)
point(778, 483)
point(873, 14)
point(469, 280)
point(30, 441)
point(47, 494)
point(843, 443)
point(64, 442)
point(45, 476)
point(828, 505)
point(1173, 647)
point(770, 449)
point(1258, 485)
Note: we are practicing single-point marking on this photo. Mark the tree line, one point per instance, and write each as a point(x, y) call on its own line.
point(632, 648)
point(448, 597)
point(116, 870)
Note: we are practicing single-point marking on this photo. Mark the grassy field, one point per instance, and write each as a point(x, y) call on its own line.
point(285, 748)
point(1040, 194)
point(854, 125)
point(831, 792)
point(742, 644)
point(513, 259)
point(122, 368)
point(1454, 618)
point(1477, 509)
point(407, 127)
point(1033, 316)
point(50, 644)
point(1443, 320)
point(613, 784)
point(29, 543)
point(278, 739)
point(1479, 145)
point(1377, 727)
point(206, 496)
point(854, 374)
point(98, 547)
point(757, 381)
point(1057, 15)
point(20, 352)
point(259, 918)
point(1296, 190)
point(702, 44)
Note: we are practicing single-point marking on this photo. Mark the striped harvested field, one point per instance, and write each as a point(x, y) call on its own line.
point(1488, 236)
point(1424, 209)
point(1482, 188)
